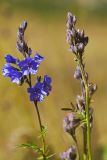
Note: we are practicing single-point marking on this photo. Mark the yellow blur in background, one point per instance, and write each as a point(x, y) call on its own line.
point(46, 33)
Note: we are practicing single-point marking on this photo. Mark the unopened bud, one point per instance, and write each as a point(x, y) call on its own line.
point(77, 74)
point(71, 20)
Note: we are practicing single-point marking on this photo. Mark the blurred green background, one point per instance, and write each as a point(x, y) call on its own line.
point(46, 33)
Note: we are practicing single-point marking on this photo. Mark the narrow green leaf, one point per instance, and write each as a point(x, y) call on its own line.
point(51, 155)
point(66, 109)
point(31, 146)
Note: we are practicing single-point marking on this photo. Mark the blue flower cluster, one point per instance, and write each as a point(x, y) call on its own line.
point(19, 71)
point(40, 89)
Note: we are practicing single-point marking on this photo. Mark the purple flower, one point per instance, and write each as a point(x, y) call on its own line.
point(81, 38)
point(11, 59)
point(71, 20)
point(12, 72)
point(21, 45)
point(21, 30)
point(76, 38)
point(70, 35)
point(70, 154)
point(30, 65)
point(70, 122)
point(41, 89)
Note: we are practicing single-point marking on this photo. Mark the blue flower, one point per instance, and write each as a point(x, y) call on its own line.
point(38, 58)
point(46, 85)
point(11, 59)
point(12, 72)
point(41, 89)
point(23, 67)
point(30, 65)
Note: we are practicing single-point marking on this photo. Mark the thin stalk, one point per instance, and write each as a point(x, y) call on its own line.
point(41, 126)
point(85, 142)
point(39, 119)
point(88, 130)
point(88, 125)
point(76, 143)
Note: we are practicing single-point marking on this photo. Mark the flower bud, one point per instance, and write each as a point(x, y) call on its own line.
point(24, 25)
point(69, 37)
point(80, 102)
point(20, 46)
point(92, 88)
point(71, 20)
point(85, 40)
point(81, 34)
point(29, 51)
point(77, 74)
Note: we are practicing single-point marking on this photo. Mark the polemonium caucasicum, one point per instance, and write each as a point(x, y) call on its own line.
point(40, 89)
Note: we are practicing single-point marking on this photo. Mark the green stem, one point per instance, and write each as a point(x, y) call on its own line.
point(76, 143)
point(85, 142)
point(41, 128)
point(88, 129)
point(88, 124)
